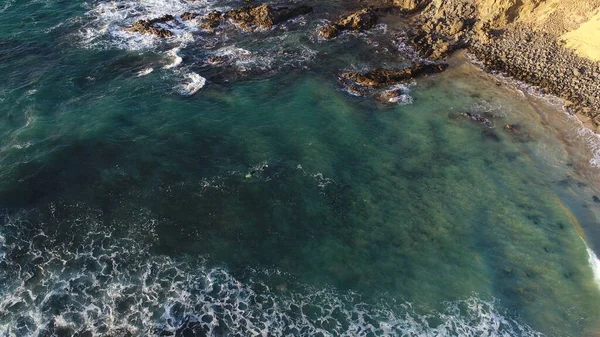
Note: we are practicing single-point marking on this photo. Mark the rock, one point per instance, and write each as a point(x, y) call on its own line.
point(187, 16)
point(409, 5)
point(214, 60)
point(148, 27)
point(596, 199)
point(211, 20)
point(394, 95)
point(477, 117)
point(329, 31)
point(358, 21)
point(383, 77)
point(264, 16)
point(512, 127)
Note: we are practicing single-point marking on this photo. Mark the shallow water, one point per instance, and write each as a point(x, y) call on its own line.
point(140, 200)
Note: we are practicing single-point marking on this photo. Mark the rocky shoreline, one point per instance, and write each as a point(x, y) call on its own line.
point(491, 30)
point(506, 45)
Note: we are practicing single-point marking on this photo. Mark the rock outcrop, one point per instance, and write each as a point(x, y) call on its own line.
point(150, 27)
point(264, 16)
point(358, 21)
point(525, 39)
point(385, 77)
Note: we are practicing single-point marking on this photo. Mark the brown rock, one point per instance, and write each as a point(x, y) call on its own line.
point(187, 16)
point(382, 77)
point(264, 16)
point(148, 27)
point(211, 20)
point(358, 21)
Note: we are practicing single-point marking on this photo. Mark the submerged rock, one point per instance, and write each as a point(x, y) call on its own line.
point(264, 16)
point(358, 21)
point(384, 77)
point(477, 118)
point(394, 94)
point(148, 27)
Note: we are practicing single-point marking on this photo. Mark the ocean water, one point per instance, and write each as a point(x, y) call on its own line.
point(147, 192)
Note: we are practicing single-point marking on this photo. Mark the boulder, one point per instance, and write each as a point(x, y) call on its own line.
point(383, 77)
point(358, 21)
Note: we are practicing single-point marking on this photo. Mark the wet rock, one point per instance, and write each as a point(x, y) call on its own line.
point(384, 77)
point(216, 60)
point(264, 16)
point(358, 21)
point(512, 127)
point(149, 27)
point(212, 20)
point(596, 199)
point(394, 94)
point(187, 16)
point(477, 118)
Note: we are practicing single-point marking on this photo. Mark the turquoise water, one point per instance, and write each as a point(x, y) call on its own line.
point(127, 210)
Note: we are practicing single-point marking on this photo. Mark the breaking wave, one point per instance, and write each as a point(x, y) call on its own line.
point(76, 277)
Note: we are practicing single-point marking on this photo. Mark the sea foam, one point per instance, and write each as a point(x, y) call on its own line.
point(100, 283)
point(192, 85)
point(595, 264)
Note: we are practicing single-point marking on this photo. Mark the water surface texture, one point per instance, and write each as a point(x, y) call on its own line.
point(147, 192)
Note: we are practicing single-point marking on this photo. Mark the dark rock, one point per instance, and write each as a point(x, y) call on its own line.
point(596, 199)
point(212, 20)
point(214, 60)
point(264, 16)
point(358, 21)
point(148, 27)
point(477, 118)
point(383, 77)
point(187, 16)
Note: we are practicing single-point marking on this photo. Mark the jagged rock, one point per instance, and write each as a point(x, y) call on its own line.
point(358, 21)
point(214, 60)
point(264, 16)
point(212, 20)
point(383, 77)
point(409, 5)
point(148, 27)
point(187, 16)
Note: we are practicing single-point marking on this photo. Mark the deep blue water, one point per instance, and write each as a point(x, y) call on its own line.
point(146, 192)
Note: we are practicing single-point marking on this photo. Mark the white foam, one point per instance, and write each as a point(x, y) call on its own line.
point(173, 54)
point(589, 137)
point(7, 5)
point(594, 264)
point(113, 285)
point(144, 72)
point(193, 84)
point(401, 94)
point(105, 22)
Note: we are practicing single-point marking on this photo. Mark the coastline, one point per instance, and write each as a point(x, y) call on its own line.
point(509, 45)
